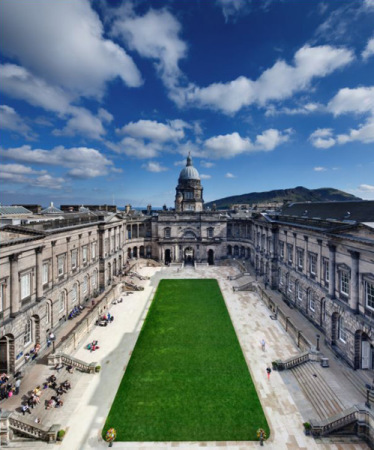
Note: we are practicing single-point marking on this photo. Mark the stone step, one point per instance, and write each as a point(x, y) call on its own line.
point(355, 379)
point(321, 396)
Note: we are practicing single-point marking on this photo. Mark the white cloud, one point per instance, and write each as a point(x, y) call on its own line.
point(155, 131)
point(153, 166)
point(10, 120)
point(308, 108)
point(20, 174)
point(364, 133)
point(322, 138)
point(180, 163)
point(369, 4)
point(47, 181)
point(230, 175)
point(84, 162)
point(270, 139)
point(357, 100)
point(366, 188)
point(369, 49)
point(319, 169)
point(72, 52)
point(207, 164)
point(136, 148)
point(233, 8)
point(154, 35)
point(204, 176)
point(279, 82)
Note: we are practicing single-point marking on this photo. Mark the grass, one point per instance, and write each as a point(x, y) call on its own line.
point(187, 379)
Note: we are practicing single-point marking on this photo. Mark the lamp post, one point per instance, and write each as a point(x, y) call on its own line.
point(318, 336)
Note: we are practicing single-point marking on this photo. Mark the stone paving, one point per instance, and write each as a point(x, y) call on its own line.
point(88, 404)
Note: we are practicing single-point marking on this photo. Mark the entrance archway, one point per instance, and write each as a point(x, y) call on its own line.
point(211, 257)
point(364, 351)
point(7, 363)
point(135, 252)
point(141, 251)
point(189, 255)
point(167, 256)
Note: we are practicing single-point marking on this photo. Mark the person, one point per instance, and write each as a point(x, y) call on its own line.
point(52, 378)
point(25, 408)
point(17, 385)
point(268, 371)
point(27, 357)
point(108, 317)
point(37, 420)
point(51, 336)
point(30, 402)
point(49, 342)
point(69, 369)
point(58, 367)
point(263, 343)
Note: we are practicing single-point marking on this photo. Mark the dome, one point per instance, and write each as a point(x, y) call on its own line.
point(189, 172)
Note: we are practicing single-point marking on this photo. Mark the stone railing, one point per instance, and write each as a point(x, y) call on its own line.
point(22, 425)
point(245, 287)
point(133, 286)
point(334, 423)
point(291, 362)
point(239, 275)
point(63, 358)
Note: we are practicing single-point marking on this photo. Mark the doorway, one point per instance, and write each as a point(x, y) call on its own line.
point(211, 257)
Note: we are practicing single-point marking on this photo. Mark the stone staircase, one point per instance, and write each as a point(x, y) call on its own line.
point(323, 399)
point(358, 381)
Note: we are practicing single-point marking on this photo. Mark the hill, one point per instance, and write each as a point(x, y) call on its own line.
point(297, 194)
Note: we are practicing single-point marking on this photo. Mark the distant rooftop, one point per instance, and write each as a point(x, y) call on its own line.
point(13, 210)
point(358, 211)
point(51, 210)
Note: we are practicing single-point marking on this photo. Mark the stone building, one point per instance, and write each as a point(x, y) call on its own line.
point(318, 256)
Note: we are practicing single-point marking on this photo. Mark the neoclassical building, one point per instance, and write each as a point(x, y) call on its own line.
point(320, 256)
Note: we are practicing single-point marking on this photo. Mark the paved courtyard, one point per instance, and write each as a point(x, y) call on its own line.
point(88, 404)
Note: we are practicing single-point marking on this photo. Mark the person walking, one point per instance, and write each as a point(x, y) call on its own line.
point(268, 371)
point(263, 344)
point(25, 408)
point(17, 384)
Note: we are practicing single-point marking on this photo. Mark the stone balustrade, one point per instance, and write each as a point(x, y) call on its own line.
point(63, 358)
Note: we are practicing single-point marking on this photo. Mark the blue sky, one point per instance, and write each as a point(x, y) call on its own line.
point(102, 101)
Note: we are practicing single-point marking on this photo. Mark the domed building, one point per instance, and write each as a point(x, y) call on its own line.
point(189, 195)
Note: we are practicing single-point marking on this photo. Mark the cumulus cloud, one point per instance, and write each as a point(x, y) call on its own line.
point(322, 138)
point(204, 176)
point(366, 188)
point(153, 166)
point(231, 145)
point(21, 174)
point(72, 52)
point(84, 162)
point(279, 82)
point(369, 49)
point(136, 148)
point(364, 133)
point(10, 120)
point(154, 35)
point(230, 175)
point(308, 108)
point(207, 164)
point(155, 131)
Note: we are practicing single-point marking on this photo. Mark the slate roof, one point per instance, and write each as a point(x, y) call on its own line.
point(358, 211)
point(6, 210)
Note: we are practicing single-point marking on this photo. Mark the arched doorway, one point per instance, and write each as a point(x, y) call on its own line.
point(189, 255)
point(211, 257)
point(141, 251)
point(229, 250)
point(135, 252)
point(364, 351)
point(129, 253)
point(7, 363)
point(167, 256)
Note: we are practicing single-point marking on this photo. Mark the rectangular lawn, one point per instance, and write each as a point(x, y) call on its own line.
point(187, 379)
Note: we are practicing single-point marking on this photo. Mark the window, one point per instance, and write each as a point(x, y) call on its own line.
point(61, 265)
point(85, 285)
point(167, 232)
point(289, 253)
point(312, 303)
point(94, 280)
point(312, 264)
point(281, 278)
point(74, 293)
point(74, 259)
point(93, 250)
point(45, 270)
point(84, 254)
point(326, 273)
point(281, 249)
point(210, 232)
point(369, 294)
point(299, 292)
point(188, 195)
point(28, 332)
point(25, 285)
point(47, 313)
point(290, 286)
point(344, 283)
point(300, 258)
point(341, 329)
point(62, 301)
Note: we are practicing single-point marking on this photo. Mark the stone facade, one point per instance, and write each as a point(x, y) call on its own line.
point(324, 268)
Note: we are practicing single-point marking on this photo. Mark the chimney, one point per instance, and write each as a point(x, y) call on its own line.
point(127, 208)
point(149, 209)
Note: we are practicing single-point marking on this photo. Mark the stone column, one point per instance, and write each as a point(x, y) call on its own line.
point(68, 255)
point(306, 255)
point(354, 297)
point(54, 263)
point(39, 273)
point(294, 253)
point(332, 255)
point(14, 285)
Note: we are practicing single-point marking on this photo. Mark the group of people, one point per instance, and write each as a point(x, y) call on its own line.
point(75, 311)
point(93, 346)
point(8, 389)
point(104, 320)
point(56, 401)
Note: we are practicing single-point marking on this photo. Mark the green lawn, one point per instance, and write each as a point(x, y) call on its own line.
point(187, 379)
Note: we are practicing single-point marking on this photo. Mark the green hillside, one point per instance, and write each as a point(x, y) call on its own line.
point(297, 194)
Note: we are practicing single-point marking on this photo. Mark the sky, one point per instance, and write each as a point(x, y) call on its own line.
point(101, 102)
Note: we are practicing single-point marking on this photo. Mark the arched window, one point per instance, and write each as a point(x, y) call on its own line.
point(341, 330)
point(85, 285)
point(62, 301)
point(28, 332)
point(74, 293)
